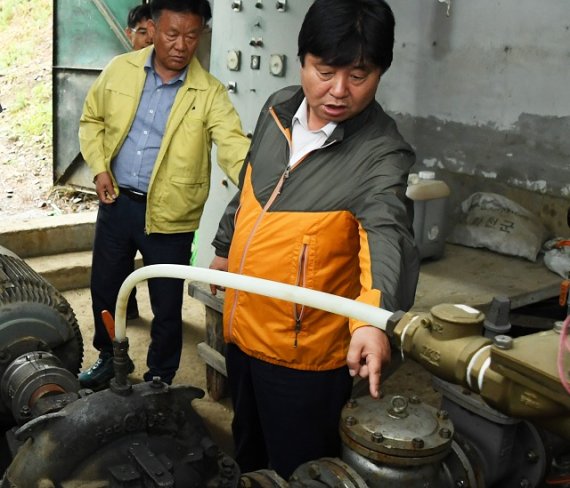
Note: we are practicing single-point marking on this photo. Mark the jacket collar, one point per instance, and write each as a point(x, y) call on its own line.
point(286, 110)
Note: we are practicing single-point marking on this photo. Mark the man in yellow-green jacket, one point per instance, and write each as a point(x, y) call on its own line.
point(146, 132)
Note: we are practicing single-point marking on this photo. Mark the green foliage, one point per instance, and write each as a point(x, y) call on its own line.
point(8, 56)
point(7, 8)
point(15, 54)
point(38, 122)
point(26, 36)
point(21, 102)
point(32, 11)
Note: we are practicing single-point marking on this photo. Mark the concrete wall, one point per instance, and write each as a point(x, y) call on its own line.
point(69, 233)
point(482, 94)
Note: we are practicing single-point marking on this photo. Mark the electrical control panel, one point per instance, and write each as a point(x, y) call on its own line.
point(254, 50)
point(253, 53)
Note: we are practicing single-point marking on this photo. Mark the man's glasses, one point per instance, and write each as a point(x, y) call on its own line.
point(141, 31)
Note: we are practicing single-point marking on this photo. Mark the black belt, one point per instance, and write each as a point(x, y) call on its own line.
point(137, 196)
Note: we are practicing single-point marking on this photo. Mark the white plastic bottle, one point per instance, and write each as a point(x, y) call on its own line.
point(430, 197)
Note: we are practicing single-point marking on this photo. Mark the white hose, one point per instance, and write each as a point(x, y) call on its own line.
point(303, 296)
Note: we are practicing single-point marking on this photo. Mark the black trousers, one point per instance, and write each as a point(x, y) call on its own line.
point(284, 417)
point(119, 233)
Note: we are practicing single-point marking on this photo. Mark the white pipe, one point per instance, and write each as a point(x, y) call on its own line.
point(472, 362)
point(303, 296)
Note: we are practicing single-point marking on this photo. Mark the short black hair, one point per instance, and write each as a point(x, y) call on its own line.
point(138, 13)
point(198, 7)
point(342, 32)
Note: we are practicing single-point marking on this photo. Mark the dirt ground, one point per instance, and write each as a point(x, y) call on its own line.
point(26, 162)
point(408, 380)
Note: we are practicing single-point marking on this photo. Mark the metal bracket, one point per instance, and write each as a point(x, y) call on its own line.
point(114, 24)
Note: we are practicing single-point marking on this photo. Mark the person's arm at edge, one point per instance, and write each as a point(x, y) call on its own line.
point(369, 348)
point(225, 231)
point(223, 239)
point(225, 128)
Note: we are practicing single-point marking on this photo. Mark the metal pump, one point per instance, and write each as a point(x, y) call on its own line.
point(503, 421)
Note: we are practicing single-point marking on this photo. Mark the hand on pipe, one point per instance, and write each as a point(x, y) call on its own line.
point(221, 264)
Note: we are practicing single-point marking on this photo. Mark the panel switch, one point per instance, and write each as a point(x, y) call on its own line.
point(254, 61)
point(233, 60)
point(277, 64)
point(256, 42)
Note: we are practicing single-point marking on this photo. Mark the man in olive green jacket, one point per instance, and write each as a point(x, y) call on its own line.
point(146, 132)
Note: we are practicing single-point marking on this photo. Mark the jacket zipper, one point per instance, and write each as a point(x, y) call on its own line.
point(276, 192)
point(236, 214)
point(274, 195)
point(299, 312)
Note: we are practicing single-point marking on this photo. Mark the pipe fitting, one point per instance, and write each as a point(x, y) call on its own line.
point(443, 341)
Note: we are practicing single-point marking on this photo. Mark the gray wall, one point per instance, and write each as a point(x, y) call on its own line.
point(482, 94)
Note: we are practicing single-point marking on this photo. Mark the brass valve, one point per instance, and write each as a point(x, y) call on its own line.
point(517, 376)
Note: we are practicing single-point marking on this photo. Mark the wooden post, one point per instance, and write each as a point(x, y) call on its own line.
point(213, 350)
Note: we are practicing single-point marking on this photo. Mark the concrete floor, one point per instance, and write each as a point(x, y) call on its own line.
point(409, 379)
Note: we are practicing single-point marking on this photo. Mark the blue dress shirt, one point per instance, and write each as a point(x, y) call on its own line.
point(132, 167)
